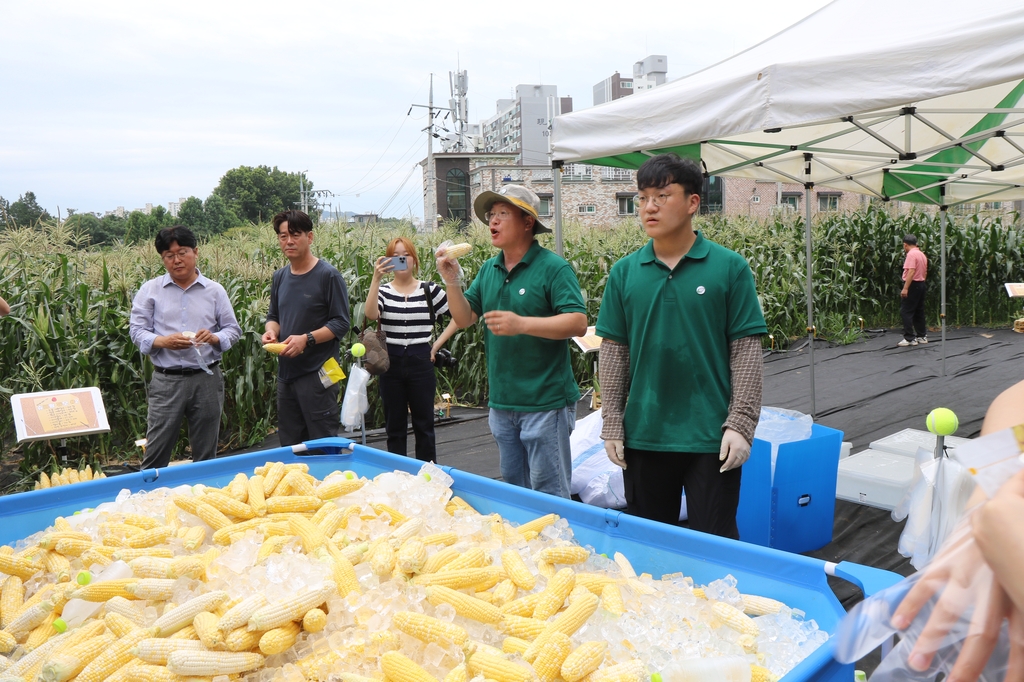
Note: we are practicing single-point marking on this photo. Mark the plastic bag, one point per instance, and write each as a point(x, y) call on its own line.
point(777, 425)
point(355, 404)
point(444, 245)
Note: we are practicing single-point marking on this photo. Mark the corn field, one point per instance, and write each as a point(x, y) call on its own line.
point(71, 304)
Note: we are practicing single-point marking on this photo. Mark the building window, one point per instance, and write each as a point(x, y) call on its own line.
point(457, 195)
point(621, 174)
point(712, 195)
point(627, 206)
point(586, 208)
point(828, 202)
point(545, 205)
point(791, 199)
point(578, 172)
point(626, 84)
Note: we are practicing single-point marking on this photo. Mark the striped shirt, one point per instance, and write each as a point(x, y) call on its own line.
point(406, 319)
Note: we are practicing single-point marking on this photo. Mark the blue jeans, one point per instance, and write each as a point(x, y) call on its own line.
point(534, 448)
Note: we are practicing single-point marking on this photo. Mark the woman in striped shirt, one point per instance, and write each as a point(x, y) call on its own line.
point(403, 307)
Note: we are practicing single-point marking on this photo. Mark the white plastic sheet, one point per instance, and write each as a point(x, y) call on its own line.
point(778, 425)
point(355, 404)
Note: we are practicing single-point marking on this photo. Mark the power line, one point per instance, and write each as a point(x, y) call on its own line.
point(400, 188)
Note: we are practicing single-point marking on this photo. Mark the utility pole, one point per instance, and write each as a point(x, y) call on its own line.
point(430, 210)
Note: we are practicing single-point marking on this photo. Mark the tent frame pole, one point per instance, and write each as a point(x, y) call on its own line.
point(942, 238)
point(808, 185)
point(556, 178)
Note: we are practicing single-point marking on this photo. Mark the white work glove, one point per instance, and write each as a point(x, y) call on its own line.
point(734, 452)
point(616, 452)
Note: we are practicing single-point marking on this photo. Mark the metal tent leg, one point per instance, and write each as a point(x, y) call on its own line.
point(810, 271)
point(942, 316)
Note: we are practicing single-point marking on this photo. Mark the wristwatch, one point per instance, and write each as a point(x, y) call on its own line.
point(310, 339)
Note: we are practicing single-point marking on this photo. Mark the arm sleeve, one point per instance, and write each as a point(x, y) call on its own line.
point(272, 311)
point(228, 330)
point(744, 315)
point(337, 306)
point(746, 369)
point(566, 296)
point(439, 299)
point(141, 324)
point(473, 295)
point(613, 372)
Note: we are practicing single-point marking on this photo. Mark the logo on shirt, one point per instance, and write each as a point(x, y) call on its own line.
point(522, 292)
point(701, 290)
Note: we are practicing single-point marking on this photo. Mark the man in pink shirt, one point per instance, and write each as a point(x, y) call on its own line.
point(915, 272)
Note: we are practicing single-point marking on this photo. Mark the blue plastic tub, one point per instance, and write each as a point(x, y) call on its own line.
point(651, 547)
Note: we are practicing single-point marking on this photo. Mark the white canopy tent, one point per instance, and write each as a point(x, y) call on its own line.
point(907, 100)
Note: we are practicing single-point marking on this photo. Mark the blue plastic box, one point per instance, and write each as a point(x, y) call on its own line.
point(796, 512)
point(652, 547)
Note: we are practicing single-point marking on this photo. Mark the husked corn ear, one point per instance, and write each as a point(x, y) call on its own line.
point(523, 627)
point(257, 496)
point(28, 665)
point(59, 565)
point(523, 606)
point(23, 568)
point(761, 674)
point(464, 605)
point(279, 639)
point(554, 594)
point(545, 569)
point(595, 582)
point(458, 250)
point(611, 599)
point(461, 578)
point(457, 674)
point(382, 559)
point(428, 629)
point(293, 503)
point(567, 623)
point(228, 534)
point(183, 615)
point(639, 587)
point(44, 480)
point(159, 589)
point(294, 483)
point(67, 663)
point(273, 545)
point(155, 650)
point(229, 505)
point(205, 624)
point(734, 618)
point(211, 663)
point(759, 606)
point(585, 659)
point(212, 516)
point(29, 619)
point(12, 596)
point(338, 487)
point(569, 554)
point(239, 614)
point(7, 642)
point(127, 609)
point(41, 632)
point(537, 524)
point(128, 554)
point(517, 570)
point(471, 558)
point(242, 639)
point(190, 566)
point(494, 667)
point(194, 537)
point(399, 668)
point(439, 559)
point(315, 620)
point(277, 614)
point(272, 475)
point(548, 663)
point(629, 671)
point(412, 555)
point(113, 658)
point(312, 537)
point(504, 592)
point(118, 624)
point(49, 541)
point(344, 572)
point(149, 567)
point(514, 645)
point(274, 348)
point(151, 538)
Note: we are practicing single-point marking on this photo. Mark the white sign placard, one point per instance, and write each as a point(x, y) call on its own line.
point(59, 414)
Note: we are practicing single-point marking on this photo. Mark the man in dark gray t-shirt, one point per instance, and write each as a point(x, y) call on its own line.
point(309, 314)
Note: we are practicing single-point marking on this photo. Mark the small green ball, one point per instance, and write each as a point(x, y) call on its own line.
point(942, 421)
point(83, 578)
point(656, 677)
point(358, 350)
point(59, 625)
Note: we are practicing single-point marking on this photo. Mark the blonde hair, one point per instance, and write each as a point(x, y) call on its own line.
point(410, 249)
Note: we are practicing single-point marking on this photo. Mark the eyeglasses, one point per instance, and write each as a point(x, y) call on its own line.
point(500, 215)
point(659, 200)
point(181, 254)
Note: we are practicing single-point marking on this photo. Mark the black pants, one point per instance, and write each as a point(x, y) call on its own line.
point(408, 387)
point(912, 311)
point(654, 483)
point(306, 410)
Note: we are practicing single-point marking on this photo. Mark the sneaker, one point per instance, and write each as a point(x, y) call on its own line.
point(904, 343)
point(922, 339)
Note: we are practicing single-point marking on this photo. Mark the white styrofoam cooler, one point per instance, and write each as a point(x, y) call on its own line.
point(874, 478)
point(907, 441)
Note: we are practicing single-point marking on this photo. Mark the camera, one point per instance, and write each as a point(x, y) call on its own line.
point(444, 358)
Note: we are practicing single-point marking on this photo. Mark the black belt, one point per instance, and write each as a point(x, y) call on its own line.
point(182, 371)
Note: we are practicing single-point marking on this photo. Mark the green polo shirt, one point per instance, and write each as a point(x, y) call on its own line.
point(528, 373)
point(678, 324)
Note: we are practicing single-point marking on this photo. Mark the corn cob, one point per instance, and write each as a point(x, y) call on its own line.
point(293, 503)
point(141, 520)
point(229, 505)
point(87, 473)
point(495, 667)
point(523, 606)
point(187, 632)
point(629, 671)
point(397, 517)
point(23, 568)
point(584, 660)
point(503, 593)
point(149, 567)
point(242, 639)
point(279, 639)
point(239, 614)
point(274, 348)
point(344, 572)
point(412, 555)
point(112, 658)
point(68, 663)
point(439, 559)
point(464, 605)
point(183, 615)
point(125, 608)
point(595, 582)
point(761, 674)
point(211, 663)
point(155, 650)
point(12, 596)
point(49, 541)
point(399, 668)
point(382, 559)
point(517, 570)
point(522, 627)
point(44, 480)
point(159, 589)
point(447, 538)
point(461, 578)
point(59, 565)
point(41, 632)
point(567, 554)
point(458, 250)
point(230, 533)
point(29, 618)
point(548, 663)
point(118, 624)
point(315, 620)
point(275, 615)
point(151, 537)
point(554, 594)
point(760, 606)
point(92, 557)
point(611, 599)
point(194, 538)
point(256, 496)
point(26, 665)
point(734, 618)
point(514, 645)
point(311, 536)
point(339, 487)
point(272, 476)
point(273, 545)
point(294, 483)
point(73, 476)
point(457, 674)
point(152, 673)
point(187, 566)
point(428, 629)
point(212, 516)
point(7, 642)
point(205, 624)
point(238, 489)
point(537, 524)
point(471, 558)
point(567, 623)
point(128, 554)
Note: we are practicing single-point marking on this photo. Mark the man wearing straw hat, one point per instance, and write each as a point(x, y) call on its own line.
point(530, 300)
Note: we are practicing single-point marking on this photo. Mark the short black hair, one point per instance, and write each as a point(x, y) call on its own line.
point(664, 169)
point(910, 239)
point(175, 233)
point(297, 222)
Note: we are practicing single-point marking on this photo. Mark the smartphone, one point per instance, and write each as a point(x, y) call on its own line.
point(398, 263)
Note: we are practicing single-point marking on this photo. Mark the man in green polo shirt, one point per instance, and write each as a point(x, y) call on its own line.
point(681, 327)
point(530, 300)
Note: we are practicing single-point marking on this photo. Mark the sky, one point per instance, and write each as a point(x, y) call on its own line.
point(111, 104)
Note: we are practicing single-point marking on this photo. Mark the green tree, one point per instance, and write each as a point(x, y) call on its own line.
point(90, 224)
point(217, 217)
point(25, 211)
point(257, 193)
point(190, 214)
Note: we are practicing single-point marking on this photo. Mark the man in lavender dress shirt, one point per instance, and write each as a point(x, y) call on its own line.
point(183, 322)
